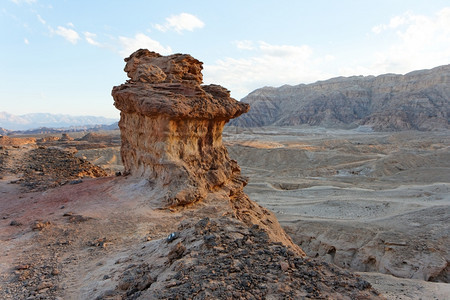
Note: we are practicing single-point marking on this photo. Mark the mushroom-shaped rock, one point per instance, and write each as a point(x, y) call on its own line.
point(171, 127)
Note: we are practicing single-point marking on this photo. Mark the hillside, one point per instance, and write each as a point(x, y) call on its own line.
point(419, 100)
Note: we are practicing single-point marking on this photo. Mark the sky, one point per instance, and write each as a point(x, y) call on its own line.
point(64, 57)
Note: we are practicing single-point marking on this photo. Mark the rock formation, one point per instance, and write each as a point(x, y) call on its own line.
point(171, 131)
point(419, 100)
point(171, 127)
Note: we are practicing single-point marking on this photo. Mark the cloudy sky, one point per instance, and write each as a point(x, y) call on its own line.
point(65, 56)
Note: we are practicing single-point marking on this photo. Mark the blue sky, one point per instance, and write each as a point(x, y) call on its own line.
point(65, 56)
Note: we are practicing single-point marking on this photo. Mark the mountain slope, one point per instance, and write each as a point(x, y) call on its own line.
point(418, 100)
point(36, 120)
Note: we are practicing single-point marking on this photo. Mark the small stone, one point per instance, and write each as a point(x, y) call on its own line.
point(176, 252)
point(78, 219)
point(39, 225)
point(284, 266)
point(14, 223)
point(173, 236)
point(124, 285)
point(22, 267)
point(44, 285)
point(77, 181)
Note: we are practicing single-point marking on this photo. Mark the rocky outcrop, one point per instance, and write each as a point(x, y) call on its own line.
point(207, 260)
point(65, 137)
point(12, 141)
point(171, 127)
point(419, 100)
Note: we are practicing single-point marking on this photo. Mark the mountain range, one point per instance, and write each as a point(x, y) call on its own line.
point(419, 100)
point(39, 120)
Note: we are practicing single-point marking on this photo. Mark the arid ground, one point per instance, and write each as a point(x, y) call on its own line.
point(374, 203)
point(367, 201)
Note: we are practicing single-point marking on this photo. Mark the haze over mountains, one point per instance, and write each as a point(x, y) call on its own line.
point(36, 120)
point(419, 100)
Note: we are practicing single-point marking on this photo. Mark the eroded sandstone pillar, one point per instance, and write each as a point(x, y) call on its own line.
point(171, 127)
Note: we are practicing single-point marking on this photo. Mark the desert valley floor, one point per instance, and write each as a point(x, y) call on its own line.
point(372, 202)
point(376, 203)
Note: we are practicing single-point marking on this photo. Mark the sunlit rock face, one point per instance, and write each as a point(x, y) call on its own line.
point(419, 100)
point(171, 127)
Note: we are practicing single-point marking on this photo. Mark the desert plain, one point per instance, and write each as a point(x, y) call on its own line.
point(374, 203)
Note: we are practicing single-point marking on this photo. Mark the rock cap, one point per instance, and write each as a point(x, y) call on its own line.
point(171, 85)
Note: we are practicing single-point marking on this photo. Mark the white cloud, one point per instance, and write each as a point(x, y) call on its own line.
point(394, 23)
point(405, 43)
point(69, 34)
point(420, 42)
point(24, 1)
point(26, 41)
point(329, 57)
point(140, 40)
point(181, 22)
point(90, 38)
point(244, 45)
point(41, 19)
point(272, 65)
point(285, 51)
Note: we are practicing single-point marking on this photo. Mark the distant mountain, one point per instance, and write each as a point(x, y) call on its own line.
point(3, 131)
point(39, 120)
point(418, 100)
point(51, 130)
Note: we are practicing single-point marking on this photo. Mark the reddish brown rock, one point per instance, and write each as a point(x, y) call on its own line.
point(171, 130)
point(171, 127)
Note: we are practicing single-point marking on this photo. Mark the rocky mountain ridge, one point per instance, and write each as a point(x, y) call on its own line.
point(419, 100)
point(40, 120)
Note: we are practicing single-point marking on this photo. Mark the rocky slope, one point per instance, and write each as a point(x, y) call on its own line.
point(39, 168)
point(418, 100)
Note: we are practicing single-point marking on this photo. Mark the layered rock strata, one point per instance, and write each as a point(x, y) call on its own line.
point(419, 100)
point(171, 127)
point(171, 130)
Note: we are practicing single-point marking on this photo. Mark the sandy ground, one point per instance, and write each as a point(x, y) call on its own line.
point(377, 203)
point(373, 202)
point(102, 238)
